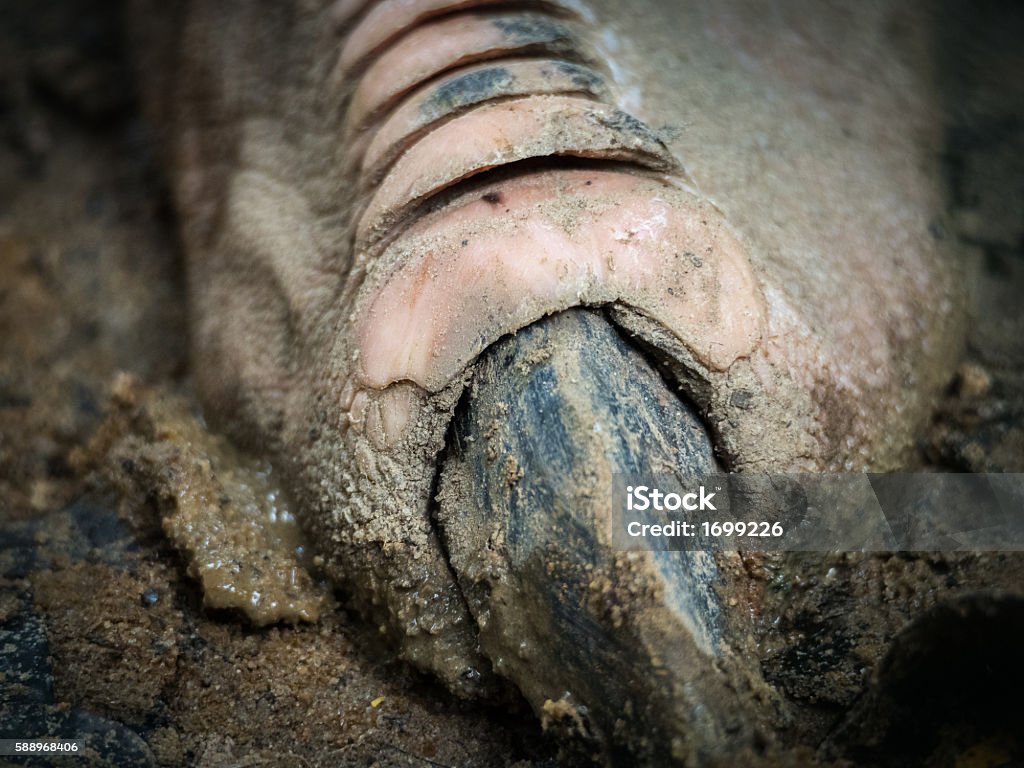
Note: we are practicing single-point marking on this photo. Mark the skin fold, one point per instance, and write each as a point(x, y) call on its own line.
point(457, 92)
point(751, 190)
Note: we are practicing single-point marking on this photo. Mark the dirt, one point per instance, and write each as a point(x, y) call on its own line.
point(112, 634)
point(223, 510)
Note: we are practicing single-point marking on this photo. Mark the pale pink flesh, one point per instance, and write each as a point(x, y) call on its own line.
point(392, 17)
point(482, 269)
point(523, 77)
point(502, 133)
point(433, 49)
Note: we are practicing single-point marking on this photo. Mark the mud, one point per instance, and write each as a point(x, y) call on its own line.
point(222, 510)
point(91, 286)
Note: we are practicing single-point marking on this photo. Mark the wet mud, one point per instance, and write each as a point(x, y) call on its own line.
point(108, 475)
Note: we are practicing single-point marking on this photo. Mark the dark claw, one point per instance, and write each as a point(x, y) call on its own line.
point(607, 643)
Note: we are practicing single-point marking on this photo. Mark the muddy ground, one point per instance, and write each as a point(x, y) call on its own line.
point(103, 631)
